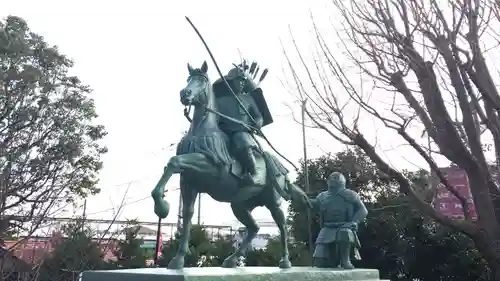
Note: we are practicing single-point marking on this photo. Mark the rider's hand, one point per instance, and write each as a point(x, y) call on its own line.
point(258, 133)
point(254, 131)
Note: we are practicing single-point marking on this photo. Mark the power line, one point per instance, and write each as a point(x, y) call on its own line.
point(132, 181)
point(126, 204)
point(263, 223)
point(110, 221)
point(169, 147)
point(112, 209)
point(116, 185)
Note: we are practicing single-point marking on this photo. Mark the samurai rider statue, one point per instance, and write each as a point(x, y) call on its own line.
point(246, 100)
point(341, 211)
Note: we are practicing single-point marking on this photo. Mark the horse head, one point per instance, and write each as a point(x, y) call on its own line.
point(198, 87)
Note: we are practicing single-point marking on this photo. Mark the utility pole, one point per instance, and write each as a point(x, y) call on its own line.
point(84, 214)
point(179, 214)
point(306, 175)
point(199, 209)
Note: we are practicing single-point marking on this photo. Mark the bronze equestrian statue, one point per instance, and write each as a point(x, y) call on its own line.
point(207, 163)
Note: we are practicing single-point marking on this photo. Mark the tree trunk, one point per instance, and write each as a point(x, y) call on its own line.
point(487, 233)
point(495, 271)
point(489, 246)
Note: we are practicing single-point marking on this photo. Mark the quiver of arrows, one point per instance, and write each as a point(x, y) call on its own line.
point(251, 72)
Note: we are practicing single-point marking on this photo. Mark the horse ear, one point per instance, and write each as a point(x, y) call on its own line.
point(204, 67)
point(190, 68)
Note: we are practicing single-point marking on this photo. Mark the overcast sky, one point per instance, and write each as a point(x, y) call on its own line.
point(134, 55)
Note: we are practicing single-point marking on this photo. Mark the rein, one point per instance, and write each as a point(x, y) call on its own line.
point(187, 110)
point(256, 131)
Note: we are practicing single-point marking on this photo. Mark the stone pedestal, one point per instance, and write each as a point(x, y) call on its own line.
point(233, 274)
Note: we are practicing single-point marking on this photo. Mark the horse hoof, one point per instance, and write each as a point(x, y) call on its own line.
point(285, 263)
point(162, 208)
point(230, 262)
point(347, 265)
point(176, 263)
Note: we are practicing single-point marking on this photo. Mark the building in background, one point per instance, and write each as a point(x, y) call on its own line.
point(34, 249)
point(445, 202)
point(13, 268)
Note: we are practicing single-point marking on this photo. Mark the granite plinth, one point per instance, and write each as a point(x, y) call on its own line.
point(233, 274)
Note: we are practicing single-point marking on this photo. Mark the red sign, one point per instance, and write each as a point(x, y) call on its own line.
point(447, 203)
point(159, 246)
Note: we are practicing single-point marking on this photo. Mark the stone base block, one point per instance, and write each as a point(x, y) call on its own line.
point(233, 274)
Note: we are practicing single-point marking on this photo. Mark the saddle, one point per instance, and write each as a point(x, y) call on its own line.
point(274, 170)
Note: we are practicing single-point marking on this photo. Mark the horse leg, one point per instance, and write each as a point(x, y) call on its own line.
point(243, 214)
point(280, 220)
point(176, 164)
point(188, 200)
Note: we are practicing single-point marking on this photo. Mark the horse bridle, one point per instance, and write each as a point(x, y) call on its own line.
point(187, 108)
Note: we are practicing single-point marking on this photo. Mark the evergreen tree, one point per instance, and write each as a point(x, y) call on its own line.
point(129, 252)
point(73, 254)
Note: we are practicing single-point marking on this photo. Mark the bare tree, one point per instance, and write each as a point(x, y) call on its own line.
point(82, 247)
point(429, 62)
